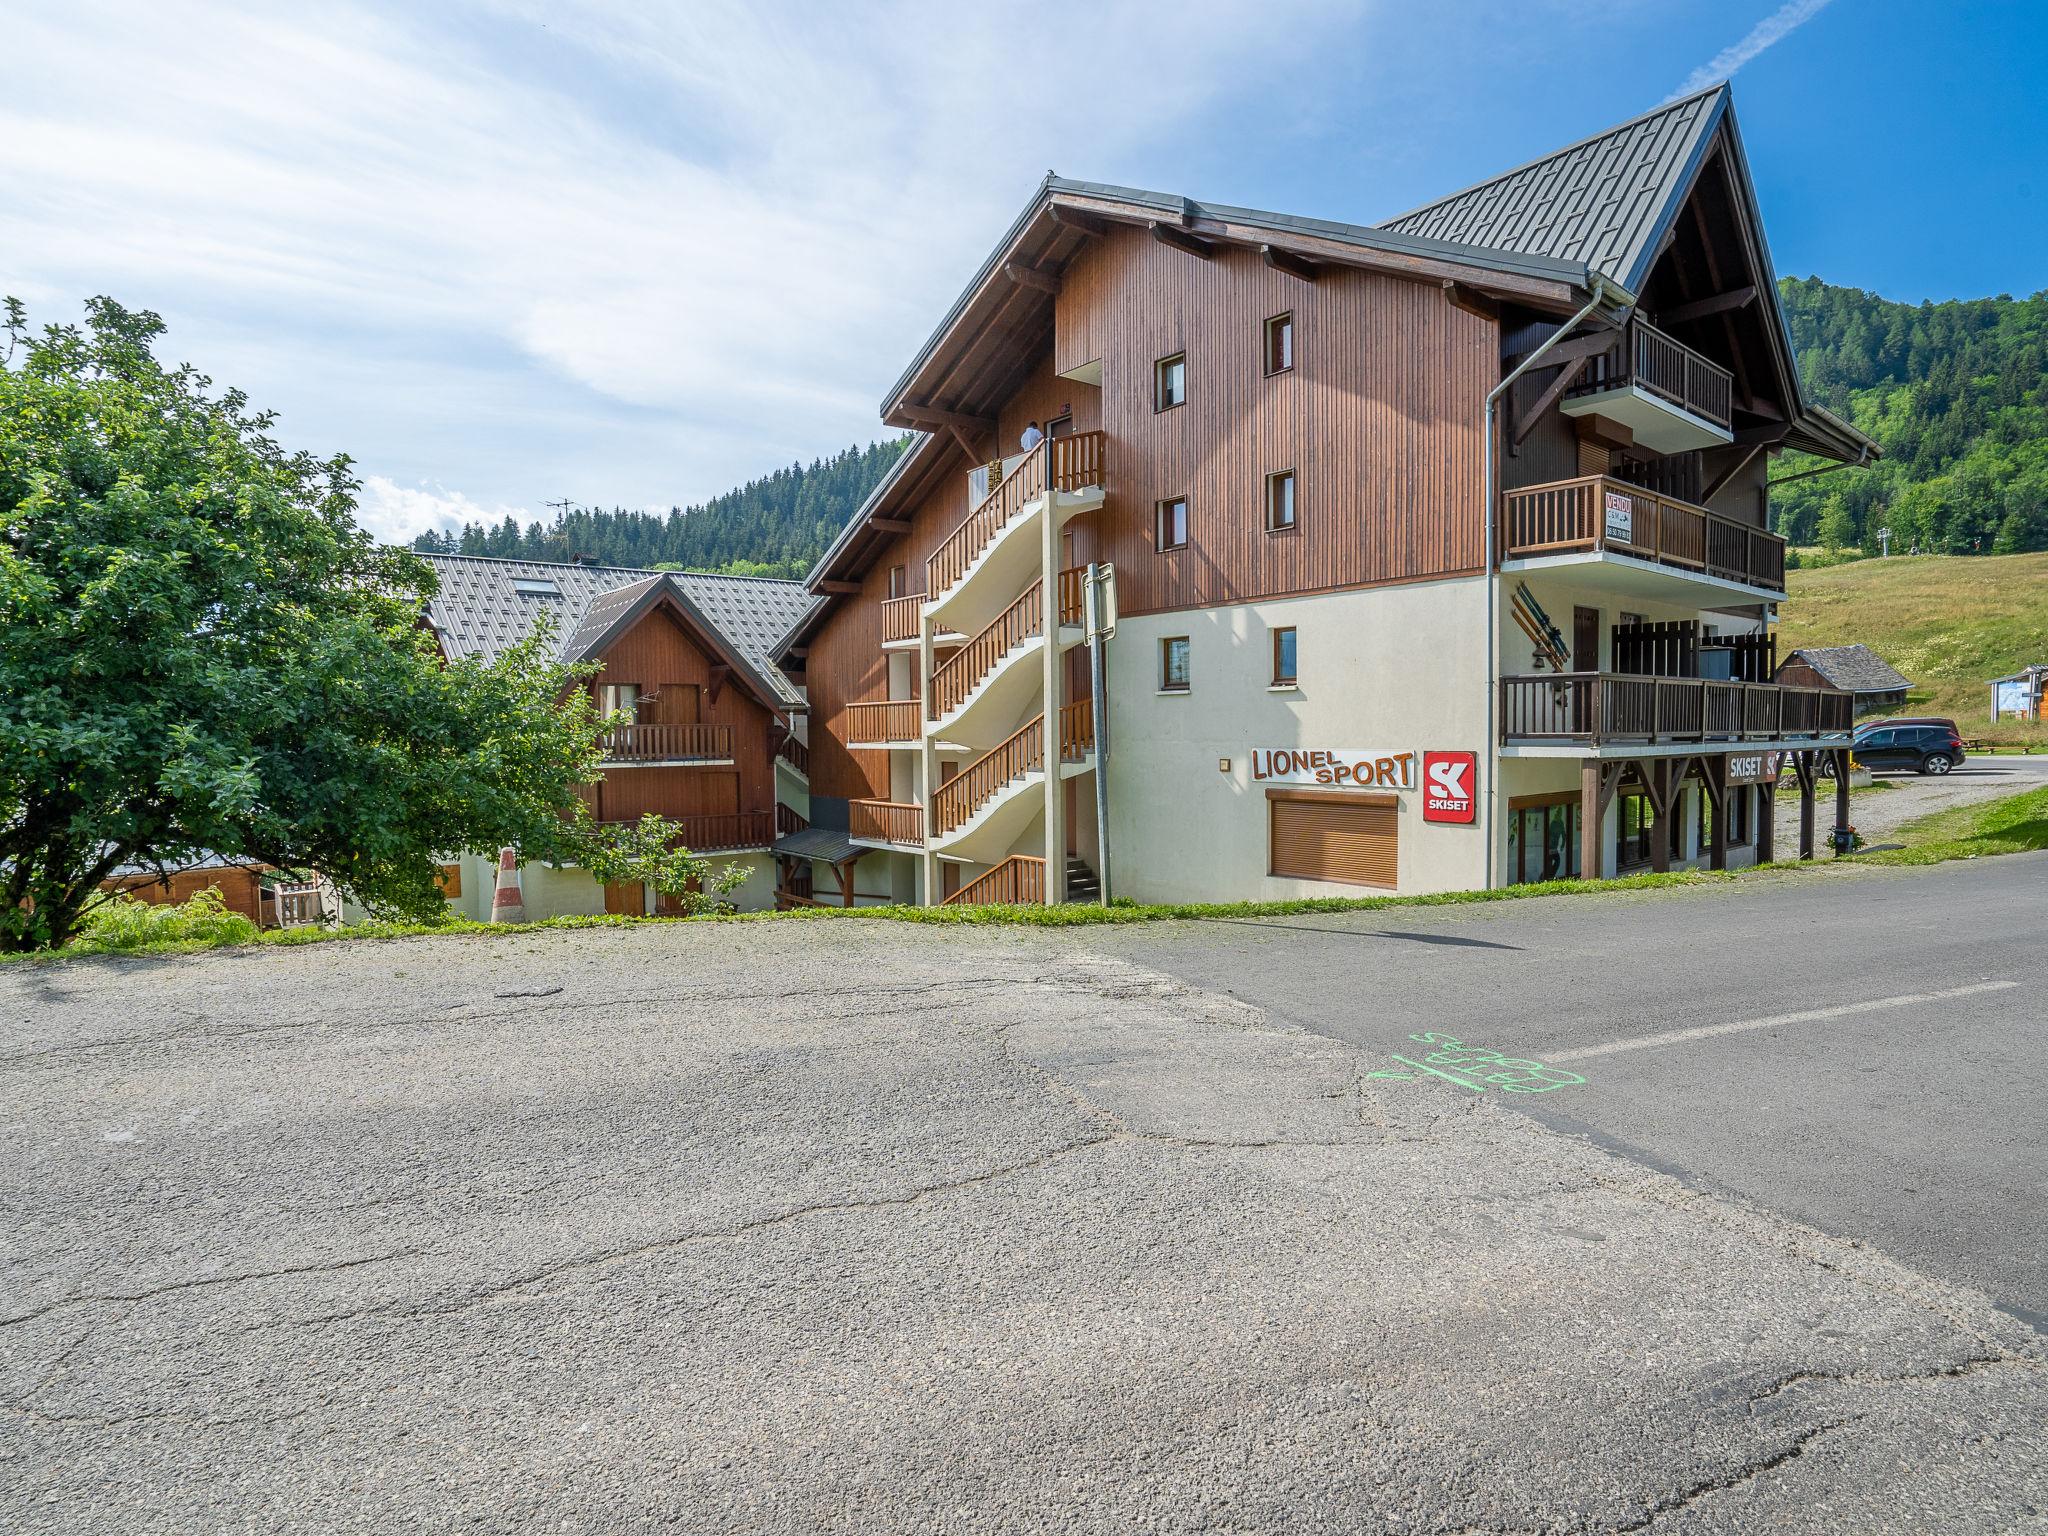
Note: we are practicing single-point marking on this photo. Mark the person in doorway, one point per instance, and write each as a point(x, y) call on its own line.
point(1032, 437)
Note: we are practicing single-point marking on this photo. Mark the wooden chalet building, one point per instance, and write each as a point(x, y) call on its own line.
point(715, 742)
point(1441, 547)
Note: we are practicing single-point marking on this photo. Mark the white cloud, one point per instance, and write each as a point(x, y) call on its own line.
point(398, 514)
point(724, 225)
point(1772, 29)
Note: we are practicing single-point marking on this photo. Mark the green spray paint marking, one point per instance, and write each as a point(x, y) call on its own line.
point(1480, 1069)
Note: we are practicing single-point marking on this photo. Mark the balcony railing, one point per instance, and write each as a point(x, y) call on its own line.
point(796, 754)
point(1016, 882)
point(789, 820)
point(963, 671)
point(1069, 463)
point(899, 618)
point(1602, 708)
point(1663, 366)
point(885, 821)
point(726, 832)
point(667, 744)
point(1596, 512)
point(882, 720)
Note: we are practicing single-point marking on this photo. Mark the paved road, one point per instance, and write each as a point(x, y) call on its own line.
point(1917, 1126)
point(850, 1226)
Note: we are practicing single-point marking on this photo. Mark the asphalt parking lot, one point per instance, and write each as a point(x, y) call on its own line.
point(855, 1226)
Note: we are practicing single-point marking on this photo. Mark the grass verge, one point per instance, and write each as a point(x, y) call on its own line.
point(2014, 824)
point(2010, 824)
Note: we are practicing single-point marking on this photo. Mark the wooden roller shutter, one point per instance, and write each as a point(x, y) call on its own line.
point(1350, 839)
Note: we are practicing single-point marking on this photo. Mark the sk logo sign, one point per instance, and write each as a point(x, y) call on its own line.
point(1449, 786)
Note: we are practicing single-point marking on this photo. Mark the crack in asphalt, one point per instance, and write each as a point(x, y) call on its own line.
point(1975, 1365)
point(1735, 1477)
point(82, 1298)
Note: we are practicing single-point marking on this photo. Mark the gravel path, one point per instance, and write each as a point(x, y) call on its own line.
point(1880, 814)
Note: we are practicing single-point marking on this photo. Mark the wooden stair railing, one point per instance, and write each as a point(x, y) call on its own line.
point(1077, 730)
point(963, 672)
point(1016, 882)
point(885, 821)
point(1069, 463)
point(980, 781)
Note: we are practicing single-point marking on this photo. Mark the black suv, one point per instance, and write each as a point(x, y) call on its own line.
point(1921, 748)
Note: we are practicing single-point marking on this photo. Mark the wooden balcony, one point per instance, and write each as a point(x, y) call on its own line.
point(1070, 463)
point(1621, 709)
point(883, 723)
point(1019, 881)
point(899, 618)
point(1596, 513)
point(729, 832)
point(885, 821)
point(796, 754)
point(639, 745)
point(1672, 397)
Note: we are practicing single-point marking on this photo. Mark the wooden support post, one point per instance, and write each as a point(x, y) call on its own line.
point(1767, 820)
point(1592, 812)
point(1841, 799)
point(1662, 798)
point(1714, 775)
point(927, 763)
point(1802, 767)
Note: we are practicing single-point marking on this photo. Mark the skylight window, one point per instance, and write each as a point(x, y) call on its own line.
point(531, 587)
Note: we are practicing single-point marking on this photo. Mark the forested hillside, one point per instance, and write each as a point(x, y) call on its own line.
point(774, 526)
point(1957, 396)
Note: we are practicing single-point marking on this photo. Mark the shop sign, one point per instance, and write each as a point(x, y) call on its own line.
point(1450, 786)
point(1621, 516)
point(1753, 767)
point(1358, 768)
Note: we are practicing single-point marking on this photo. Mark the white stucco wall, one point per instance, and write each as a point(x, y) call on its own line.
point(1398, 668)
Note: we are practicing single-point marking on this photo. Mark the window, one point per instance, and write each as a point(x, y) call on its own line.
point(1283, 658)
point(1280, 501)
point(1635, 820)
point(1173, 664)
point(1543, 838)
point(534, 587)
point(1279, 344)
point(622, 699)
point(1170, 382)
point(1171, 523)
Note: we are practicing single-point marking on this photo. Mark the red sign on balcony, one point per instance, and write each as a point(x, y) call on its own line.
point(1450, 786)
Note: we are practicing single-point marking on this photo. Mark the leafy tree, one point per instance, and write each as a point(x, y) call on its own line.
point(647, 852)
point(200, 650)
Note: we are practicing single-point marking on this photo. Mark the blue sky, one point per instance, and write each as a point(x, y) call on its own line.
point(515, 250)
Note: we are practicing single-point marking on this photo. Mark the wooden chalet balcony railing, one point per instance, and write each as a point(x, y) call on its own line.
point(666, 743)
point(1664, 366)
point(1068, 463)
point(796, 754)
point(963, 671)
point(899, 618)
point(722, 833)
point(956, 800)
point(1599, 708)
point(1016, 882)
point(1597, 512)
point(789, 819)
point(885, 821)
point(883, 720)
point(1077, 729)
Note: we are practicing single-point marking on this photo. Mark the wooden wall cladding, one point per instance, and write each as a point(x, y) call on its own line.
point(847, 664)
point(658, 652)
point(1379, 419)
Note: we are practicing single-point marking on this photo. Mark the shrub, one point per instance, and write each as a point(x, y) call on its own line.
point(130, 927)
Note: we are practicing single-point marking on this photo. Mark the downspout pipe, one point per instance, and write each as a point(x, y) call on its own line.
point(1602, 291)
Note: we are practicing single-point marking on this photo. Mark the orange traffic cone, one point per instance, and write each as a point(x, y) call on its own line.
point(507, 904)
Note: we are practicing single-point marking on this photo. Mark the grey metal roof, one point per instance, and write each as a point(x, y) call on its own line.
point(1602, 201)
point(826, 843)
point(1852, 668)
point(478, 612)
